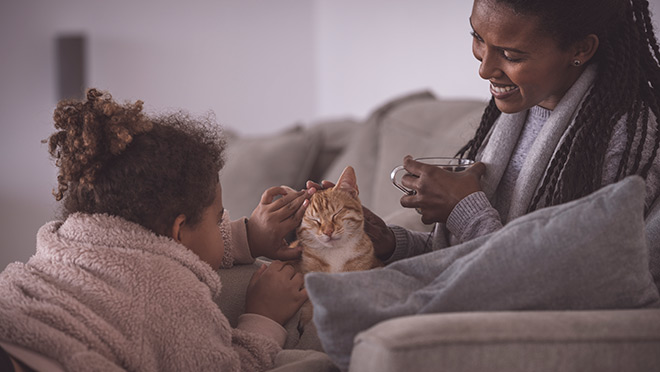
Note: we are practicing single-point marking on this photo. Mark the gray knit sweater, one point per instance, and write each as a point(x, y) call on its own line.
point(517, 153)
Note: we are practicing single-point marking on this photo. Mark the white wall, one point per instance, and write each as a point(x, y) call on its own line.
point(251, 62)
point(261, 66)
point(372, 50)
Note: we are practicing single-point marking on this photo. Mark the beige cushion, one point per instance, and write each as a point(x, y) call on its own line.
point(420, 128)
point(256, 163)
point(334, 135)
point(568, 341)
point(417, 124)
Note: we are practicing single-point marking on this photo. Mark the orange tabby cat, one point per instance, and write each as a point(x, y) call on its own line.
point(332, 234)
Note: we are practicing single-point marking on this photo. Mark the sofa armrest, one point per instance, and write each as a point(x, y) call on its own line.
point(606, 340)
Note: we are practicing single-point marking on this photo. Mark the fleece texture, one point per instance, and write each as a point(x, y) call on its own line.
point(105, 294)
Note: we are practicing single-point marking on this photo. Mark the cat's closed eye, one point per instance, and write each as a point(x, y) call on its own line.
point(336, 214)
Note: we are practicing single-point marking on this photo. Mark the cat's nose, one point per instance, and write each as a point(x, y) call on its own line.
point(328, 230)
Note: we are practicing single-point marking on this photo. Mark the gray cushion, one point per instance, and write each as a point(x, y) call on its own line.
point(256, 163)
point(587, 254)
point(418, 124)
point(419, 128)
point(362, 151)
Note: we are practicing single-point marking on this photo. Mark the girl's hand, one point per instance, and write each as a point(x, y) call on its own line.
point(438, 190)
point(273, 219)
point(315, 186)
point(276, 292)
point(381, 236)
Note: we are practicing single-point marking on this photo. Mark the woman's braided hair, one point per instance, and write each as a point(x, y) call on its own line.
point(114, 159)
point(625, 89)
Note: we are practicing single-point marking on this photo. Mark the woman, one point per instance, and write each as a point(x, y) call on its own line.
point(574, 108)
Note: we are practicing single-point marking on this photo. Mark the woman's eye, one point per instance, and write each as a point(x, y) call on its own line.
point(476, 37)
point(509, 58)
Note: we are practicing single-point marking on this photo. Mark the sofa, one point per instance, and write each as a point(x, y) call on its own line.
point(420, 124)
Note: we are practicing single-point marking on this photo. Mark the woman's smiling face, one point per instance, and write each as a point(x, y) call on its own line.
point(525, 66)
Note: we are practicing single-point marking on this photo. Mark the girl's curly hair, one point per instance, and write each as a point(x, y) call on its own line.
point(114, 159)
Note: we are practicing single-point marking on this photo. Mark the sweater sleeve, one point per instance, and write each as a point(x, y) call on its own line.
point(473, 217)
point(240, 247)
point(408, 243)
point(260, 324)
point(234, 236)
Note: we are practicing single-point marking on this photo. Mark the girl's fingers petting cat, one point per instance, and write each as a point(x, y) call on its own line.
point(313, 185)
point(270, 194)
point(324, 185)
point(291, 207)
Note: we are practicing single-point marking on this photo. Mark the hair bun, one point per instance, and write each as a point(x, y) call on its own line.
point(90, 134)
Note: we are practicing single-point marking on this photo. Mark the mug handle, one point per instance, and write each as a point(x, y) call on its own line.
point(396, 180)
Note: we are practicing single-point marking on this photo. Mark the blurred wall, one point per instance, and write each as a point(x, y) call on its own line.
point(250, 62)
point(260, 66)
point(372, 50)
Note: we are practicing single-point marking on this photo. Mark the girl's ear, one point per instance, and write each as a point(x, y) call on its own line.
point(585, 48)
point(348, 182)
point(176, 232)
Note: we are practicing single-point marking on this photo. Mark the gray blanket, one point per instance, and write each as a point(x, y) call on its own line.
point(573, 256)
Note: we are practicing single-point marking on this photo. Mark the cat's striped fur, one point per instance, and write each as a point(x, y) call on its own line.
point(332, 233)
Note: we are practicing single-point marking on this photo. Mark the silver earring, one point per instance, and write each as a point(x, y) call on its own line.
point(577, 62)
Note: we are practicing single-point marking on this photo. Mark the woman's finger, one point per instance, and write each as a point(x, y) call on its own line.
point(478, 168)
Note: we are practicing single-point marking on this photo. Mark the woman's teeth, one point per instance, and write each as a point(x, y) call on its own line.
point(502, 89)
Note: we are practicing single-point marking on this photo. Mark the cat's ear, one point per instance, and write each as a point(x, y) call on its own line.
point(348, 182)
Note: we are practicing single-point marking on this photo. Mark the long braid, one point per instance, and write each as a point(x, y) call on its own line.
point(653, 77)
point(612, 98)
point(490, 115)
point(625, 89)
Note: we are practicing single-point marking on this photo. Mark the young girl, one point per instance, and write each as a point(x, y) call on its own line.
point(127, 280)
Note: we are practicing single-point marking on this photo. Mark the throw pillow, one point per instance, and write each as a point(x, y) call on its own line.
point(587, 254)
point(420, 128)
point(362, 151)
point(256, 163)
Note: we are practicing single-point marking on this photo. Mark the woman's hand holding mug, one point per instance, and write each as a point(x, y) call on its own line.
point(433, 186)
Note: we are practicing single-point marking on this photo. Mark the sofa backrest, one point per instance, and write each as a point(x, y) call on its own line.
point(418, 124)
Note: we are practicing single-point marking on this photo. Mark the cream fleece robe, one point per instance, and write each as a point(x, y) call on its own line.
point(105, 294)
